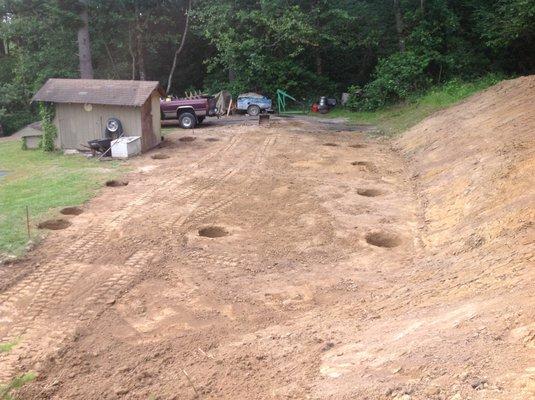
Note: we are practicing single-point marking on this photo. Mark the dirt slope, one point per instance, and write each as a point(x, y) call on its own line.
point(474, 167)
point(298, 261)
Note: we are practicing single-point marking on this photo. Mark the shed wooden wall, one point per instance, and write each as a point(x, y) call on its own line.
point(156, 115)
point(150, 122)
point(76, 126)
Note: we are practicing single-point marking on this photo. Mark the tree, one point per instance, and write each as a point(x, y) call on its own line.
point(399, 25)
point(84, 44)
point(180, 48)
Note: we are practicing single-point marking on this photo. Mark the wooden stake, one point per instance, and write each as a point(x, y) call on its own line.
point(28, 221)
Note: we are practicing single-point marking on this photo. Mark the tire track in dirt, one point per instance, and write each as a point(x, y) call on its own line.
point(176, 183)
point(41, 293)
point(45, 289)
point(89, 239)
point(212, 183)
point(52, 303)
point(209, 209)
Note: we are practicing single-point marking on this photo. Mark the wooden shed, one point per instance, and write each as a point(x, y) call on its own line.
point(83, 106)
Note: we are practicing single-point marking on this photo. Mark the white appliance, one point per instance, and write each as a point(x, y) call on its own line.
point(126, 146)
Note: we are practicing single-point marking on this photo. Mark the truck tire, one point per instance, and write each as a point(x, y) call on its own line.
point(187, 120)
point(253, 110)
point(114, 128)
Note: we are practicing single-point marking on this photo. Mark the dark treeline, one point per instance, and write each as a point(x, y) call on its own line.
point(382, 50)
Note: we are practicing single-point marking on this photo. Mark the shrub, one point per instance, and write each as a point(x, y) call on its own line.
point(49, 129)
point(13, 121)
point(395, 78)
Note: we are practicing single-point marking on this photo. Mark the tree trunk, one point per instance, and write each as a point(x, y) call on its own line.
point(316, 11)
point(179, 50)
point(132, 53)
point(140, 47)
point(141, 59)
point(112, 61)
point(319, 63)
point(84, 45)
point(399, 25)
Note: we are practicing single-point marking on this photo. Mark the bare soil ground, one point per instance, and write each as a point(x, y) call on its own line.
point(301, 261)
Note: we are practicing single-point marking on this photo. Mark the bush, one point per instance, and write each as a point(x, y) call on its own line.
point(13, 121)
point(395, 78)
point(49, 129)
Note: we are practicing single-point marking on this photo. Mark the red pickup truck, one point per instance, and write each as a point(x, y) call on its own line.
point(189, 112)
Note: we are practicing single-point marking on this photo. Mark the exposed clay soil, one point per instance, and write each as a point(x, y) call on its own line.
point(424, 292)
point(71, 211)
point(213, 232)
point(115, 183)
point(54, 224)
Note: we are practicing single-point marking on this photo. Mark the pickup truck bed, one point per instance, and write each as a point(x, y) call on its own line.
point(189, 112)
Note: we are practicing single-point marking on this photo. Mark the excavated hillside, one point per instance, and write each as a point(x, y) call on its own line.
point(301, 260)
point(474, 170)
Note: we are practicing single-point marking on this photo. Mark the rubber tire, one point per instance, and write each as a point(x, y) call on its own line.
point(253, 110)
point(187, 120)
point(117, 132)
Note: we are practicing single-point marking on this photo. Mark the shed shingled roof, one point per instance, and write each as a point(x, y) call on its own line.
point(97, 91)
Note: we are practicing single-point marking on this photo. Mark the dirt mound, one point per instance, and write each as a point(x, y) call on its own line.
point(187, 139)
point(473, 166)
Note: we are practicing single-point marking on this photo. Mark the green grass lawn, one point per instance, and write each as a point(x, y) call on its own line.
point(398, 118)
point(45, 182)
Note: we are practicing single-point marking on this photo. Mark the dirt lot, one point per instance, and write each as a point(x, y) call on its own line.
point(297, 261)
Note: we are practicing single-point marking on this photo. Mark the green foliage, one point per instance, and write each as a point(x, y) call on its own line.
point(306, 47)
point(6, 391)
point(50, 132)
point(266, 45)
point(397, 118)
point(395, 79)
point(14, 99)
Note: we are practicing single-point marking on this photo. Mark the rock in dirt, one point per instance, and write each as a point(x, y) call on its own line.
point(478, 383)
